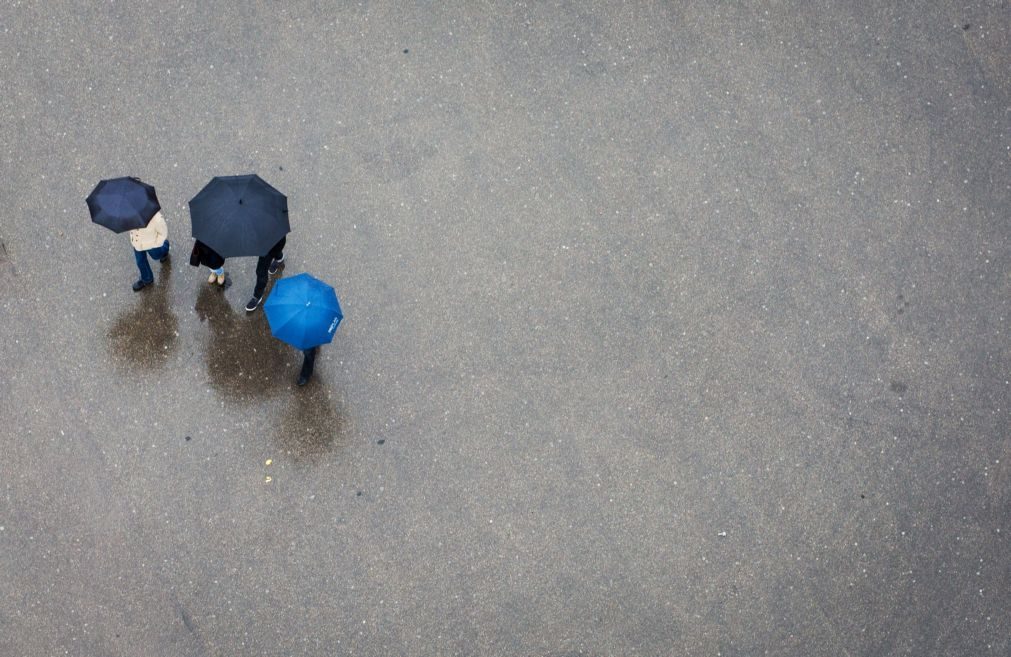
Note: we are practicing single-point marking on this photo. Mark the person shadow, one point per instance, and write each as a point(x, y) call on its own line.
point(244, 361)
point(146, 335)
point(313, 423)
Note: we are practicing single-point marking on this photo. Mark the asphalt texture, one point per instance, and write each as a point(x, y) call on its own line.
point(671, 329)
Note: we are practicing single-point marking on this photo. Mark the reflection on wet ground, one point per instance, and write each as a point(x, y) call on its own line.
point(243, 358)
point(313, 423)
point(147, 334)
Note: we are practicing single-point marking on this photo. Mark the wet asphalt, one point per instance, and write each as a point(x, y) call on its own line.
point(671, 329)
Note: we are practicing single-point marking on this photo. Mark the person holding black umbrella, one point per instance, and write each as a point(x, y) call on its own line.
point(151, 240)
point(129, 204)
point(240, 216)
point(208, 257)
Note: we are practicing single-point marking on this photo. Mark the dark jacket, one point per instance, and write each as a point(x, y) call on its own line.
point(206, 256)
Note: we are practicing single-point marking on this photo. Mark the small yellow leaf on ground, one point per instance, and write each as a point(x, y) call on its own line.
point(267, 480)
point(268, 461)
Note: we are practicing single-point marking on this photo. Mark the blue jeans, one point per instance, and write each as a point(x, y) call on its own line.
point(144, 266)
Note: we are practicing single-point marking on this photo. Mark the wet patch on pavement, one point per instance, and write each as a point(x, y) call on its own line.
point(244, 361)
point(313, 424)
point(146, 335)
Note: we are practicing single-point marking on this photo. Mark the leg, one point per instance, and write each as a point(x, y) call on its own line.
point(160, 253)
point(276, 263)
point(262, 263)
point(146, 275)
point(308, 362)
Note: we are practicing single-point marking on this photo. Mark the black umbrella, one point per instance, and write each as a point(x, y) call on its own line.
point(239, 216)
point(123, 204)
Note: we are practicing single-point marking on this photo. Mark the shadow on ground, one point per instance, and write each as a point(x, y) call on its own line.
point(313, 423)
point(146, 335)
point(244, 360)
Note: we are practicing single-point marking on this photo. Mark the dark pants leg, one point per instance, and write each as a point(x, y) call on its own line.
point(262, 263)
point(308, 362)
point(159, 252)
point(144, 266)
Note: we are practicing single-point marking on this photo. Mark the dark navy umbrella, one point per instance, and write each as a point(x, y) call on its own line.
point(239, 216)
point(303, 311)
point(123, 204)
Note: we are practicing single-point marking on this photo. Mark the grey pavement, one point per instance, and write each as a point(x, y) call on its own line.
point(672, 328)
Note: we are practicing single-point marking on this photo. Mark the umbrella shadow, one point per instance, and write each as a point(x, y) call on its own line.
point(146, 335)
point(313, 424)
point(244, 361)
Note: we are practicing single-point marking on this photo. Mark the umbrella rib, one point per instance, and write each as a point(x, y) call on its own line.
point(277, 329)
point(119, 200)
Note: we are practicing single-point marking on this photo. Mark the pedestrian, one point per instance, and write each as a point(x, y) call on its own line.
point(304, 312)
point(152, 240)
point(208, 257)
point(269, 263)
point(308, 362)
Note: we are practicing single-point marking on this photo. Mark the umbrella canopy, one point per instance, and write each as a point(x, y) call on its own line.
point(123, 204)
point(239, 216)
point(303, 311)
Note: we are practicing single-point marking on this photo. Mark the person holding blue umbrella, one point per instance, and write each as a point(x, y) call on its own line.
point(304, 312)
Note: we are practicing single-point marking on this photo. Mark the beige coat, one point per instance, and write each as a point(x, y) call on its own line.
point(151, 236)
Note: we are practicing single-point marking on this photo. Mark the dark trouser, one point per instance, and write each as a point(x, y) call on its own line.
point(262, 263)
point(308, 362)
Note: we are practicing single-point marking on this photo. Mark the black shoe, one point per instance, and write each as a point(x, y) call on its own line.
point(164, 258)
point(302, 379)
point(252, 304)
point(275, 265)
point(140, 285)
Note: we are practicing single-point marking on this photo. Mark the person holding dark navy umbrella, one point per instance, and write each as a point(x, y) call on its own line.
point(240, 216)
point(128, 204)
point(208, 257)
point(151, 240)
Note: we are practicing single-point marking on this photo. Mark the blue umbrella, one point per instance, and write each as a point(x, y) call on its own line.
point(303, 311)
